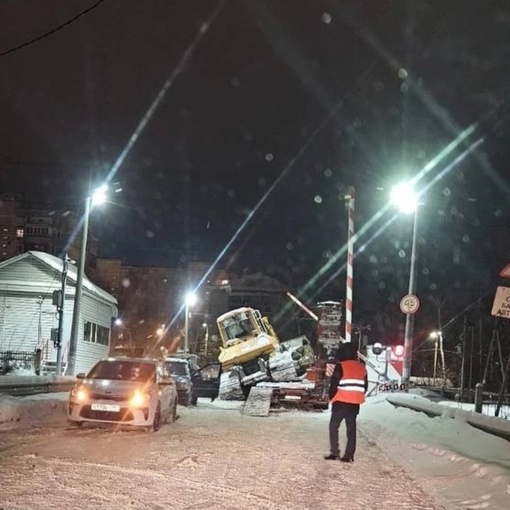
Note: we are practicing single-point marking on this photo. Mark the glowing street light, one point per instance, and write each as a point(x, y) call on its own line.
point(405, 199)
point(96, 198)
point(437, 336)
point(189, 300)
point(100, 195)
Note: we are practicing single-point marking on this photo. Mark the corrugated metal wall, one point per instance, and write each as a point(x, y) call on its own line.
point(88, 353)
point(29, 270)
point(25, 321)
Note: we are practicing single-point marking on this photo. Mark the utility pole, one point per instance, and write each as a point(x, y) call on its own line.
point(75, 327)
point(463, 363)
point(60, 311)
point(409, 325)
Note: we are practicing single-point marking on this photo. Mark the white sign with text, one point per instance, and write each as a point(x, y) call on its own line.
point(501, 305)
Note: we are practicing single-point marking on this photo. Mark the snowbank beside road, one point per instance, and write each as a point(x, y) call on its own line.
point(24, 411)
point(461, 464)
point(490, 424)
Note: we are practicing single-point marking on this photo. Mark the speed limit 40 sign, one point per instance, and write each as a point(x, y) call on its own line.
point(409, 304)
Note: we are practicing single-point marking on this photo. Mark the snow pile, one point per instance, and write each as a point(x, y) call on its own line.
point(490, 424)
point(46, 408)
point(9, 409)
point(459, 463)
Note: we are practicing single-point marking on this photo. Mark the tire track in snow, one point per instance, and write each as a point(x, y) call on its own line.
point(146, 473)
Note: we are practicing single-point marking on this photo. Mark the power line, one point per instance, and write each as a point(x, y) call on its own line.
point(53, 30)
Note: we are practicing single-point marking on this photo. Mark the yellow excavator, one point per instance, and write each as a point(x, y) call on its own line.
point(251, 352)
point(246, 336)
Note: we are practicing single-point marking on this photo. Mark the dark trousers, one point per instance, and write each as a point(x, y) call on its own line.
point(340, 412)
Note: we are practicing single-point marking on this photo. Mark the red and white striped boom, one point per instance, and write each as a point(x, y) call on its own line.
point(350, 256)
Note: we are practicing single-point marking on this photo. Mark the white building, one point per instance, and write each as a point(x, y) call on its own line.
point(27, 313)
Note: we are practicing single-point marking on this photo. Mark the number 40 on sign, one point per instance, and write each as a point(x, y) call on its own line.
point(409, 304)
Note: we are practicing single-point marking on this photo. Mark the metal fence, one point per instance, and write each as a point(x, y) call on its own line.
point(18, 386)
point(15, 360)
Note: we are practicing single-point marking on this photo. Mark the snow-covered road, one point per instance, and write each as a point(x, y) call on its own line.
point(213, 457)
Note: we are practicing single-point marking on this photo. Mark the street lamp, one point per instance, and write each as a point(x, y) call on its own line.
point(435, 336)
point(119, 323)
point(206, 337)
point(97, 198)
point(190, 300)
point(405, 199)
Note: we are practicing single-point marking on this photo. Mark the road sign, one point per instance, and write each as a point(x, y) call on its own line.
point(409, 304)
point(501, 304)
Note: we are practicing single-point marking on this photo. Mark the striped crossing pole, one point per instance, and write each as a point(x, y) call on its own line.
point(350, 256)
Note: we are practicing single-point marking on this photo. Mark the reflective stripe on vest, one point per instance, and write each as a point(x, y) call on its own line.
point(351, 387)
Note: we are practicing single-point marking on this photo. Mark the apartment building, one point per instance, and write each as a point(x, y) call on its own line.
point(27, 227)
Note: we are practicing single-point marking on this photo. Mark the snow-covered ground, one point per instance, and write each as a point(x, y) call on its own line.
point(26, 411)
point(212, 458)
point(215, 457)
point(463, 466)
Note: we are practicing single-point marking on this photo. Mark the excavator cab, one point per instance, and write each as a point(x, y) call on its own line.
point(241, 324)
point(247, 343)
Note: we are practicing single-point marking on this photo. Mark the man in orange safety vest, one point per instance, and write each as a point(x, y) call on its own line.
point(349, 384)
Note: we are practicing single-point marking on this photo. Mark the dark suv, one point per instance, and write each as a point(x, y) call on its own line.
point(179, 369)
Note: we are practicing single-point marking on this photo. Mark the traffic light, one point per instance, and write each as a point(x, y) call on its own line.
point(377, 348)
point(398, 350)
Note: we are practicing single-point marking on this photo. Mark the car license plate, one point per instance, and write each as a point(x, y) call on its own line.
point(105, 407)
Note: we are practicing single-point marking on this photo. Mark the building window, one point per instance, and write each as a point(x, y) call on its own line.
point(103, 335)
point(96, 334)
point(20, 232)
point(37, 231)
point(89, 331)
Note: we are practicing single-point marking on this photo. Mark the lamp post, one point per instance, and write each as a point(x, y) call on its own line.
point(97, 198)
point(206, 337)
point(404, 197)
point(435, 335)
point(61, 311)
point(190, 300)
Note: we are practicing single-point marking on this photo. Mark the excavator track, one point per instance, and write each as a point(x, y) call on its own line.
point(258, 401)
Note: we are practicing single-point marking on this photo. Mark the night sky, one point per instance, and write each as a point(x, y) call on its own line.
point(315, 96)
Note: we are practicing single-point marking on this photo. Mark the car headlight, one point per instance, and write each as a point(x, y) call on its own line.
point(80, 394)
point(139, 399)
